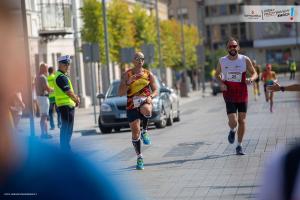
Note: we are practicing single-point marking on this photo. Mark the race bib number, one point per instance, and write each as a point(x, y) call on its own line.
point(137, 101)
point(234, 76)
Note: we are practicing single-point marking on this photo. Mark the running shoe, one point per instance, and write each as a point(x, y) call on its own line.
point(140, 163)
point(231, 137)
point(239, 150)
point(145, 137)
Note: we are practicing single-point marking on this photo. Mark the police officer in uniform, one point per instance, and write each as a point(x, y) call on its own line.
point(66, 101)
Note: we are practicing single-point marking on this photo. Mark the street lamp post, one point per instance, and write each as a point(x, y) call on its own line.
point(184, 82)
point(296, 27)
point(182, 34)
point(106, 83)
point(158, 41)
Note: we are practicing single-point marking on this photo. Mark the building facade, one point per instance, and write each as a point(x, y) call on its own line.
point(220, 19)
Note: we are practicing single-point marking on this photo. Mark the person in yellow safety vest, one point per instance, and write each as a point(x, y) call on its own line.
point(212, 73)
point(293, 68)
point(51, 78)
point(66, 101)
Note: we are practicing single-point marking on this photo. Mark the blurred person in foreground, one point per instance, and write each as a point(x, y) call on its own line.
point(30, 169)
point(281, 178)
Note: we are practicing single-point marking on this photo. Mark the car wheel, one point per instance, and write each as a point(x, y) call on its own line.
point(102, 128)
point(170, 119)
point(105, 129)
point(162, 123)
point(117, 129)
point(177, 119)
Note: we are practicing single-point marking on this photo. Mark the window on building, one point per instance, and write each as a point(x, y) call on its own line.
point(33, 5)
point(208, 32)
point(233, 9)
point(215, 33)
point(224, 31)
point(240, 10)
point(206, 11)
point(183, 12)
point(279, 56)
point(28, 5)
point(234, 30)
point(243, 31)
point(213, 11)
point(223, 9)
point(171, 13)
point(266, 2)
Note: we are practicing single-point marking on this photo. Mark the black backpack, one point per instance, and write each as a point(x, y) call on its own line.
point(291, 171)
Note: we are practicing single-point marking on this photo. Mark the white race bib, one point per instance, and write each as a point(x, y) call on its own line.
point(234, 77)
point(138, 100)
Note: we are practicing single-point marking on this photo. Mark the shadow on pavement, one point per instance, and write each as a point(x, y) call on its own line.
point(179, 162)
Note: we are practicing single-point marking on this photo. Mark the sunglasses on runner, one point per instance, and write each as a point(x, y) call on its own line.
point(139, 59)
point(232, 46)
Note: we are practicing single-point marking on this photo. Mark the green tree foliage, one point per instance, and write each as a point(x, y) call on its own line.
point(134, 28)
point(191, 40)
point(170, 43)
point(172, 47)
point(92, 30)
point(145, 32)
point(121, 29)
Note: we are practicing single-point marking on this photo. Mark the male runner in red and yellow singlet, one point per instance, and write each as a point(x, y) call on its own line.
point(140, 87)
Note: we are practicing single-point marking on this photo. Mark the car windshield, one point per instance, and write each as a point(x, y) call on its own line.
point(113, 90)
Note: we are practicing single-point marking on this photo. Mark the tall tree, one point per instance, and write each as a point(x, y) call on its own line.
point(170, 41)
point(92, 30)
point(144, 26)
point(121, 29)
point(191, 41)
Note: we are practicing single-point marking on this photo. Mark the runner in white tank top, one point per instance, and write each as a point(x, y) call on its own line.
point(234, 86)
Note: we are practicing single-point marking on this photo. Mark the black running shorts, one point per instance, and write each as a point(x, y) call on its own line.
point(236, 107)
point(134, 114)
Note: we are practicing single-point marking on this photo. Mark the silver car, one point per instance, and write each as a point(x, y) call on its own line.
point(113, 108)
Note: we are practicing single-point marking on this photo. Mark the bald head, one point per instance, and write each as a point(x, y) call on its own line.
point(139, 55)
point(138, 59)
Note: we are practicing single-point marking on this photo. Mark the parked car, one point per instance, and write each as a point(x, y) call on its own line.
point(113, 108)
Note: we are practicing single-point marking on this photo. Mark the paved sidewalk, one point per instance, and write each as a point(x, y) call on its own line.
point(192, 159)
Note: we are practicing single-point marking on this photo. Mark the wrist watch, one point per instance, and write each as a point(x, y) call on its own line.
point(282, 89)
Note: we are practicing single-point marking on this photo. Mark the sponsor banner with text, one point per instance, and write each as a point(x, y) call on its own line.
point(270, 13)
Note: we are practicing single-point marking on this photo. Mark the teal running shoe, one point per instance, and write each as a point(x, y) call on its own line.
point(140, 163)
point(145, 137)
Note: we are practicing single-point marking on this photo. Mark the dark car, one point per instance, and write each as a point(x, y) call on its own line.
point(113, 109)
